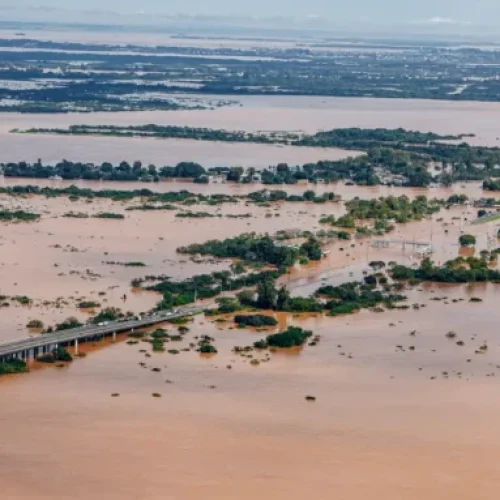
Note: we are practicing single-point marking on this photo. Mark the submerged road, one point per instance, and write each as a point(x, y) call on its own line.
point(32, 347)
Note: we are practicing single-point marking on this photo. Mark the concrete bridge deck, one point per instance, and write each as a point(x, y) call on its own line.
point(31, 347)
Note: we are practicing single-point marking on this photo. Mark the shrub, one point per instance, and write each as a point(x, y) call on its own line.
point(256, 320)
point(208, 349)
point(35, 323)
point(13, 366)
point(293, 336)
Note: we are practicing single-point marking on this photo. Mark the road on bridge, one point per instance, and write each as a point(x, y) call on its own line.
point(13, 347)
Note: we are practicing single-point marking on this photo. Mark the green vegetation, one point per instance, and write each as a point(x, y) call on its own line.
point(17, 216)
point(106, 171)
point(59, 354)
point(108, 215)
point(178, 293)
point(160, 333)
point(22, 299)
point(459, 270)
point(250, 248)
point(35, 323)
point(255, 250)
point(125, 264)
point(292, 337)
point(351, 297)
point(467, 240)
point(257, 320)
point(88, 304)
point(67, 324)
point(382, 212)
point(108, 314)
point(149, 207)
point(13, 366)
point(271, 196)
point(76, 215)
point(157, 344)
point(194, 215)
point(226, 305)
point(491, 184)
point(207, 349)
point(388, 159)
point(349, 138)
point(400, 209)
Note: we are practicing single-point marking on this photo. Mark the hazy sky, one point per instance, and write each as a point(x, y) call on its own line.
point(435, 12)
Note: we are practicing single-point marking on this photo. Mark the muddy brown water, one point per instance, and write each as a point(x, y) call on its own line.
point(257, 113)
point(389, 422)
point(379, 428)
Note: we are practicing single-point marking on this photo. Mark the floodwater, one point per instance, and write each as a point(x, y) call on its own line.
point(257, 113)
point(54, 148)
point(398, 416)
point(389, 422)
point(74, 257)
point(300, 113)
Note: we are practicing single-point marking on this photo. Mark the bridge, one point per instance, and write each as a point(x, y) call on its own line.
point(32, 347)
point(421, 246)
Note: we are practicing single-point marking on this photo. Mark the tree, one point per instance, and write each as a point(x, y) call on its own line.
point(377, 264)
point(234, 174)
point(467, 240)
point(266, 294)
point(188, 169)
point(309, 195)
point(283, 299)
point(312, 249)
point(68, 323)
point(246, 297)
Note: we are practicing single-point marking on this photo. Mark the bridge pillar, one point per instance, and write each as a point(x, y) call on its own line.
point(114, 336)
point(76, 347)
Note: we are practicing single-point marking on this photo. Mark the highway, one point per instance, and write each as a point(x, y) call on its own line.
point(31, 347)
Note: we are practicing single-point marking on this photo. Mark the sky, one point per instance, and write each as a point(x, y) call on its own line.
point(435, 13)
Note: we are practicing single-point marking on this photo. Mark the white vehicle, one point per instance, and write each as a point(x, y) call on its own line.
point(100, 324)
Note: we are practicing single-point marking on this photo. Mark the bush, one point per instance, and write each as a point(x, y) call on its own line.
point(467, 240)
point(35, 323)
point(256, 320)
point(67, 324)
point(158, 345)
point(293, 336)
point(13, 366)
point(59, 354)
point(88, 304)
point(208, 349)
